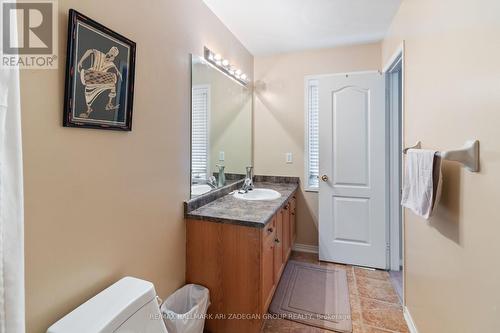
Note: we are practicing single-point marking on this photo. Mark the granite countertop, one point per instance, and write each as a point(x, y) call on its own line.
point(228, 209)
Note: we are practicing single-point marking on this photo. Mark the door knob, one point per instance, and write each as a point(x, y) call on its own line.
point(324, 178)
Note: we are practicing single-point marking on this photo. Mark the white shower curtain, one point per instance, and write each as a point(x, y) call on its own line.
point(11, 205)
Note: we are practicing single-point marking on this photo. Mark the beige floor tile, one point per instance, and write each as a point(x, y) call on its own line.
point(377, 289)
point(276, 326)
point(383, 315)
point(357, 328)
point(370, 273)
point(371, 329)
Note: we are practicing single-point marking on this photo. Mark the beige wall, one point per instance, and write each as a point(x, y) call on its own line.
point(452, 91)
point(279, 115)
point(101, 205)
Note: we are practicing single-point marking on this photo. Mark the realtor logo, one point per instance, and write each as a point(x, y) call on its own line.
point(29, 34)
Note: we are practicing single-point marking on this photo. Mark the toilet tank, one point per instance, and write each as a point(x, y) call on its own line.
point(128, 306)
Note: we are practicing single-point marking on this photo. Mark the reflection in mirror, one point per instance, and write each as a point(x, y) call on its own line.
point(221, 128)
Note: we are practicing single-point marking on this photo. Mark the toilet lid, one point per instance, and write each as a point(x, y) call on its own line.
point(106, 311)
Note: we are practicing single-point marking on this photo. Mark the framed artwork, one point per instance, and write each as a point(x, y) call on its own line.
point(99, 76)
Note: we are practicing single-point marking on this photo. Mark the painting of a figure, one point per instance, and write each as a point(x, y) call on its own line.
point(100, 75)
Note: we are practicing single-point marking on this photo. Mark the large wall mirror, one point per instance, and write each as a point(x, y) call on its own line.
point(221, 128)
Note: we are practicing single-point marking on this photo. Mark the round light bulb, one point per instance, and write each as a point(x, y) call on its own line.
point(217, 57)
point(243, 76)
point(225, 62)
point(238, 72)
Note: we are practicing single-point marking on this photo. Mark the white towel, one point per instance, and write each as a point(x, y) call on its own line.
point(422, 184)
point(11, 204)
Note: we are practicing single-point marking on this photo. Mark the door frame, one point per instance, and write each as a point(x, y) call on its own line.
point(396, 126)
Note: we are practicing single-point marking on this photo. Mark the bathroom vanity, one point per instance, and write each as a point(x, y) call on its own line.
point(237, 245)
point(238, 250)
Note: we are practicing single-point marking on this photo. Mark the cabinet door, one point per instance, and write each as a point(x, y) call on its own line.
point(278, 247)
point(293, 220)
point(286, 231)
point(267, 272)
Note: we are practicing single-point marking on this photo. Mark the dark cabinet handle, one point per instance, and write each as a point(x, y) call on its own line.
point(277, 241)
point(270, 229)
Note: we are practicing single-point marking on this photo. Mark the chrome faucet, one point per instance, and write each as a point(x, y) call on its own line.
point(212, 182)
point(248, 183)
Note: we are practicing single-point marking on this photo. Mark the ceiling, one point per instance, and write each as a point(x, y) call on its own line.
point(276, 26)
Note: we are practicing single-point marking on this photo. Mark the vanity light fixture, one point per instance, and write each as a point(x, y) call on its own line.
point(224, 66)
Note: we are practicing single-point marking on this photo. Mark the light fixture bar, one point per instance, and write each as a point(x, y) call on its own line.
point(224, 66)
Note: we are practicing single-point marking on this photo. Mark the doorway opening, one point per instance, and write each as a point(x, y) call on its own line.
point(352, 202)
point(394, 72)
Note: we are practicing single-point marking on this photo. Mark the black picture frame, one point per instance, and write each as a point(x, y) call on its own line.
point(100, 72)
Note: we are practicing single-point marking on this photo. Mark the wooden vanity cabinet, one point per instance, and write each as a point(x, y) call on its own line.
point(241, 266)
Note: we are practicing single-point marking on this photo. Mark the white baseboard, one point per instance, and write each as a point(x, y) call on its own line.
point(305, 248)
point(409, 320)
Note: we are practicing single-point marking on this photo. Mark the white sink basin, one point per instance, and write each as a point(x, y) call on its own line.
point(262, 194)
point(200, 189)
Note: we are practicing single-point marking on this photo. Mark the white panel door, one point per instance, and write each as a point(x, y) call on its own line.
point(352, 192)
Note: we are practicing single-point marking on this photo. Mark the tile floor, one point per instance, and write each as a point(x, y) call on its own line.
point(375, 306)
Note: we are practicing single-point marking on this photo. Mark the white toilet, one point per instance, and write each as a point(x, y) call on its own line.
point(128, 306)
